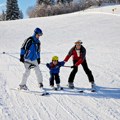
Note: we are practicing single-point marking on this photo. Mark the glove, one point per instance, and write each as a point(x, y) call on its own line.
point(38, 60)
point(64, 62)
point(22, 58)
point(47, 64)
point(73, 66)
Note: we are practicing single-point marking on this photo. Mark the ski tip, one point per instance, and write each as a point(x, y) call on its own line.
point(93, 90)
point(61, 88)
point(81, 91)
point(44, 94)
point(55, 89)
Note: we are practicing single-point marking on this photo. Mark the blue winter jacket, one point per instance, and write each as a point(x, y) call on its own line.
point(31, 48)
point(54, 69)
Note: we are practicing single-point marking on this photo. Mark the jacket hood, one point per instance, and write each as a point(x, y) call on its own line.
point(35, 39)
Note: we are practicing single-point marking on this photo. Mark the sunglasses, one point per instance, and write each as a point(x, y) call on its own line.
point(78, 45)
point(39, 34)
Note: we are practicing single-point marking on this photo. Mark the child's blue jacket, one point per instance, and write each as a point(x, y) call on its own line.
point(55, 69)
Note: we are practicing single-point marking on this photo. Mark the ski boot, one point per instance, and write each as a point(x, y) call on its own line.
point(58, 87)
point(23, 87)
point(44, 92)
point(93, 87)
point(52, 86)
point(71, 85)
point(40, 85)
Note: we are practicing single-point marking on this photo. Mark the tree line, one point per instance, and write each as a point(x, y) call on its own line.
point(49, 7)
point(12, 11)
point(57, 7)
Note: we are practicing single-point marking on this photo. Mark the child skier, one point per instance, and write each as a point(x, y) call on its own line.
point(54, 67)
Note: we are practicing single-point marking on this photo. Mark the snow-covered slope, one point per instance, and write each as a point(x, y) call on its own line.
point(110, 9)
point(100, 34)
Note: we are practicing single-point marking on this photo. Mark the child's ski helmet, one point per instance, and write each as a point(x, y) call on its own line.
point(55, 58)
point(38, 31)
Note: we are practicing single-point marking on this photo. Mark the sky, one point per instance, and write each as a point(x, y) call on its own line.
point(23, 5)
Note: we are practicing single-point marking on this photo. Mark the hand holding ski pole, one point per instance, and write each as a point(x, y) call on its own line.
point(73, 66)
point(22, 58)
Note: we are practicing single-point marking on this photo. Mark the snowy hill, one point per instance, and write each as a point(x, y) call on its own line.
point(100, 33)
point(110, 9)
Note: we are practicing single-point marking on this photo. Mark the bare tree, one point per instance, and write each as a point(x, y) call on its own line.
point(45, 8)
point(3, 16)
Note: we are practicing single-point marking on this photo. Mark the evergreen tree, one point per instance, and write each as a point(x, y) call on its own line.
point(0, 17)
point(46, 2)
point(39, 2)
point(12, 12)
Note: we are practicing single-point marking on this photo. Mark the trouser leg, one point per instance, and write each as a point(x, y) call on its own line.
point(88, 71)
point(27, 71)
point(73, 73)
point(25, 74)
point(57, 79)
point(38, 74)
point(52, 79)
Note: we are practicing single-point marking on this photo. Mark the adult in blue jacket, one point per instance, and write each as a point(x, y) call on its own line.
point(30, 56)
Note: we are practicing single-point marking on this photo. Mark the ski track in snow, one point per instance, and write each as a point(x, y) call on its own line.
point(65, 103)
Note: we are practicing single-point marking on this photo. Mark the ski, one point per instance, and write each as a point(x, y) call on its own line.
point(93, 88)
point(42, 93)
point(77, 90)
point(61, 88)
point(73, 90)
point(81, 91)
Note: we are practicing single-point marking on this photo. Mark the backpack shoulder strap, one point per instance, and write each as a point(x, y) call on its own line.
point(27, 43)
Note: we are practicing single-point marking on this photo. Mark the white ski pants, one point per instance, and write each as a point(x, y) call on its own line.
point(27, 72)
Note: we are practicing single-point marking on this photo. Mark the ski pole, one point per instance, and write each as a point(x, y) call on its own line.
point(62, 66)
point(42, 63)
point(17, 58)
point(27, 61)
point(11, 55)
point(67, 66)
